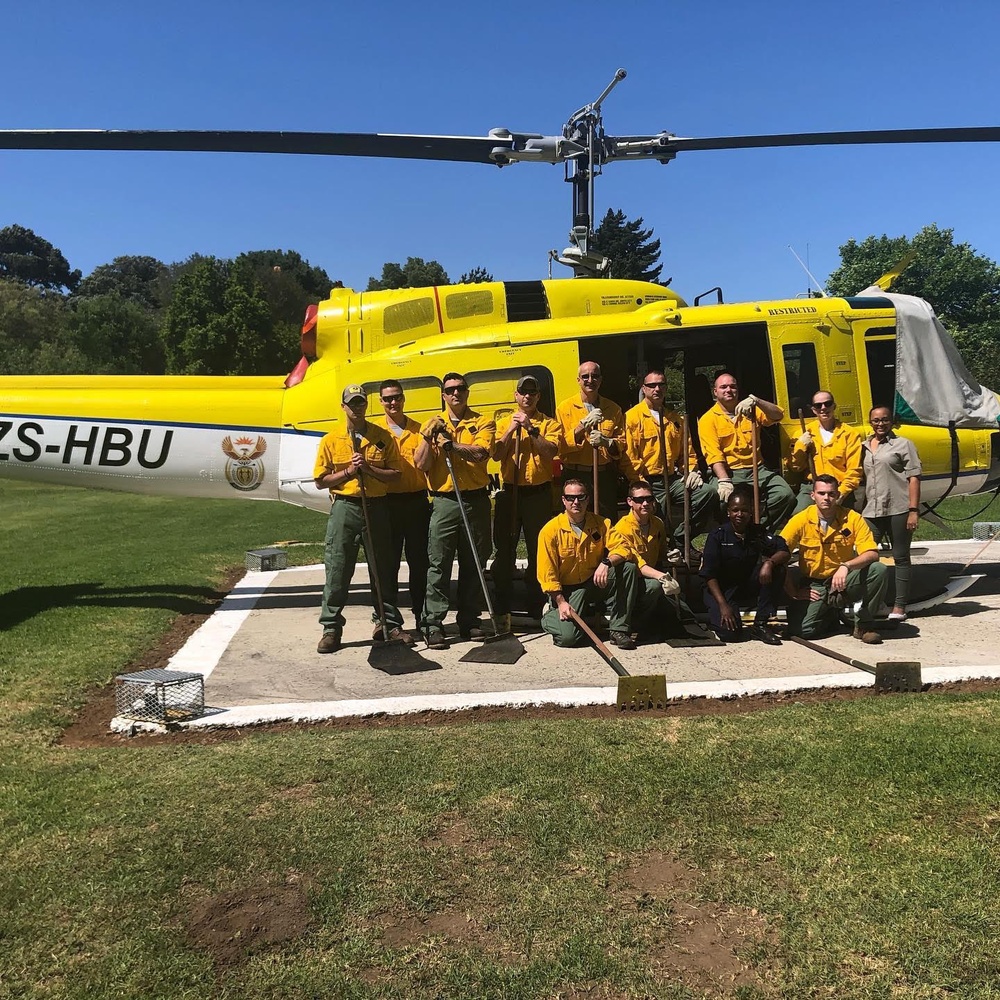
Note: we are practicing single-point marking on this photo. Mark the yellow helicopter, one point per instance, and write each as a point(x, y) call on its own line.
point(256, 438)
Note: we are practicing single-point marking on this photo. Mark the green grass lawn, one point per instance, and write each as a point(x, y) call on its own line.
point(845, 849)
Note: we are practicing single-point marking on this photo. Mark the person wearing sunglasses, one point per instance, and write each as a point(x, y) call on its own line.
point(835, 448)
point(653, 443)
point(637, 547)
point(726, 435)
point(574, 569)
point(838, 561)
point(359, 449)
point(470, 437)
point(532, 438)
point(409, 509)
point(743, 565)
point(593, 423)
point(892, 497)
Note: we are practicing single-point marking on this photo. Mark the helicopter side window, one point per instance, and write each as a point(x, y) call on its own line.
point(882, 370)
point(801, 376)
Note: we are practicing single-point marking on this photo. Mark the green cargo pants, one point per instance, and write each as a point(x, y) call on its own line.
point(344, 533)
point(617, 598)
point(445, 536)
point(814, 619)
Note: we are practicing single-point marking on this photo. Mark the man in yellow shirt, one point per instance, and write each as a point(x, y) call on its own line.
point(408, 506)
point(574, 568)
point(835, 449)
point(469, 436)
point(591, 422)
point(653, 442)
point(839, 563)
point(636, 546)
point(361, 449)
point(533, 438)
point(726, 435)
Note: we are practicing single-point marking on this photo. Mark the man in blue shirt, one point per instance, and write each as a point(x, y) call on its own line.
point(743, 564)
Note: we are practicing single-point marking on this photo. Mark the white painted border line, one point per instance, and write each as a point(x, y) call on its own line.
point(203, 650)
point(318, 711)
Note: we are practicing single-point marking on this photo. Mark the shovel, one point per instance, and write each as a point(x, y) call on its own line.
point(889, 675)
point(810, 451)
point(392, 656)
point(633, 692)
point(756, 471)
point(687, 494)
point(500, 647)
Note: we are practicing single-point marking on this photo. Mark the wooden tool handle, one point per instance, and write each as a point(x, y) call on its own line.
point(598, 645)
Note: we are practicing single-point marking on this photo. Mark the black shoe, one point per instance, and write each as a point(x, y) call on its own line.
point(436, 639)
point(622, 640)
point(763, 634)
point(473, 631)
point(330, 641)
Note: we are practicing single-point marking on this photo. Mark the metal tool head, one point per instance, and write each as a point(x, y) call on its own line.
point(898, 675)
point(642, 693)
point(503, 648)
point(395, 657)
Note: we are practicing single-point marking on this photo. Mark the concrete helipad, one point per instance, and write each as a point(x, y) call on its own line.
point(258, 654)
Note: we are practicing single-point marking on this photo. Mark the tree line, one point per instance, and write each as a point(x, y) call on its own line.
point(242, 316)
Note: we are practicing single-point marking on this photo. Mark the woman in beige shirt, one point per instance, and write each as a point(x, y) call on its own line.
point(892, 496)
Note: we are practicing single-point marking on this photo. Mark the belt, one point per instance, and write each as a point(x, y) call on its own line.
point(534, 488)
point(343, 498)
point(407, 494)
point(450, 494)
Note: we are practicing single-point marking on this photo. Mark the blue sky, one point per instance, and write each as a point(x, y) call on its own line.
point(695, 69)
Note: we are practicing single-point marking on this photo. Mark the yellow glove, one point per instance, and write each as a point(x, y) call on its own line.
point(432, 426)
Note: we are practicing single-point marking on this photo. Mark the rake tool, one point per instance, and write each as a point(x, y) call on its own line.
point(901, 675)
point(633, 692)
point(392, 656)
point(501, 647)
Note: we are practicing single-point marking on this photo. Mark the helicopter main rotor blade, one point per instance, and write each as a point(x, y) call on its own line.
point(897, 135)
point(468, 149)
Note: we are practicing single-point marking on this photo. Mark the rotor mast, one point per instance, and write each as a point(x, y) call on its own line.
point(585, 130)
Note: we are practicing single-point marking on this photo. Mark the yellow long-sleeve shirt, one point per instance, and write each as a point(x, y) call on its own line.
point(840, 457)
point(821, 551)
point(474, 429)
point(337, 448)
point(411, 479)
point(570, 412)
point(535, 468)
point(564, 559)
point(642, 442)
point(630, 540)
point(724, 439)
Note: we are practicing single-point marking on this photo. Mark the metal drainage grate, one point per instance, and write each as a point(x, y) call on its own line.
point(162, 696)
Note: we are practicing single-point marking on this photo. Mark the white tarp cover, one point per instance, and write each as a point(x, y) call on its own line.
point(933, 386)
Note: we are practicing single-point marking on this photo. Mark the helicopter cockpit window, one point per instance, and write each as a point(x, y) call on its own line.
point(801, 376)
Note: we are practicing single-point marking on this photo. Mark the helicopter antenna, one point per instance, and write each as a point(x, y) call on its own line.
point(812, 278)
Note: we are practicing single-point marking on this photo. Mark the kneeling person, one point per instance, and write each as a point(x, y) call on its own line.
point(839, 561)
point(636, 545)
point(743, 564)
point(573, 568)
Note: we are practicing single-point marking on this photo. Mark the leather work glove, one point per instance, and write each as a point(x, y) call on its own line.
point(694, 480)
point(675, 557)
point(745, 407)
point(442, 436)
point(592, 419)
point(836, 599)
point(432, 427)
point(670, 585)
point(598, 440)
point(805, 439)
point(725, 490)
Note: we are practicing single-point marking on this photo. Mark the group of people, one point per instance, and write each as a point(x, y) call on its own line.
point(413, 477)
